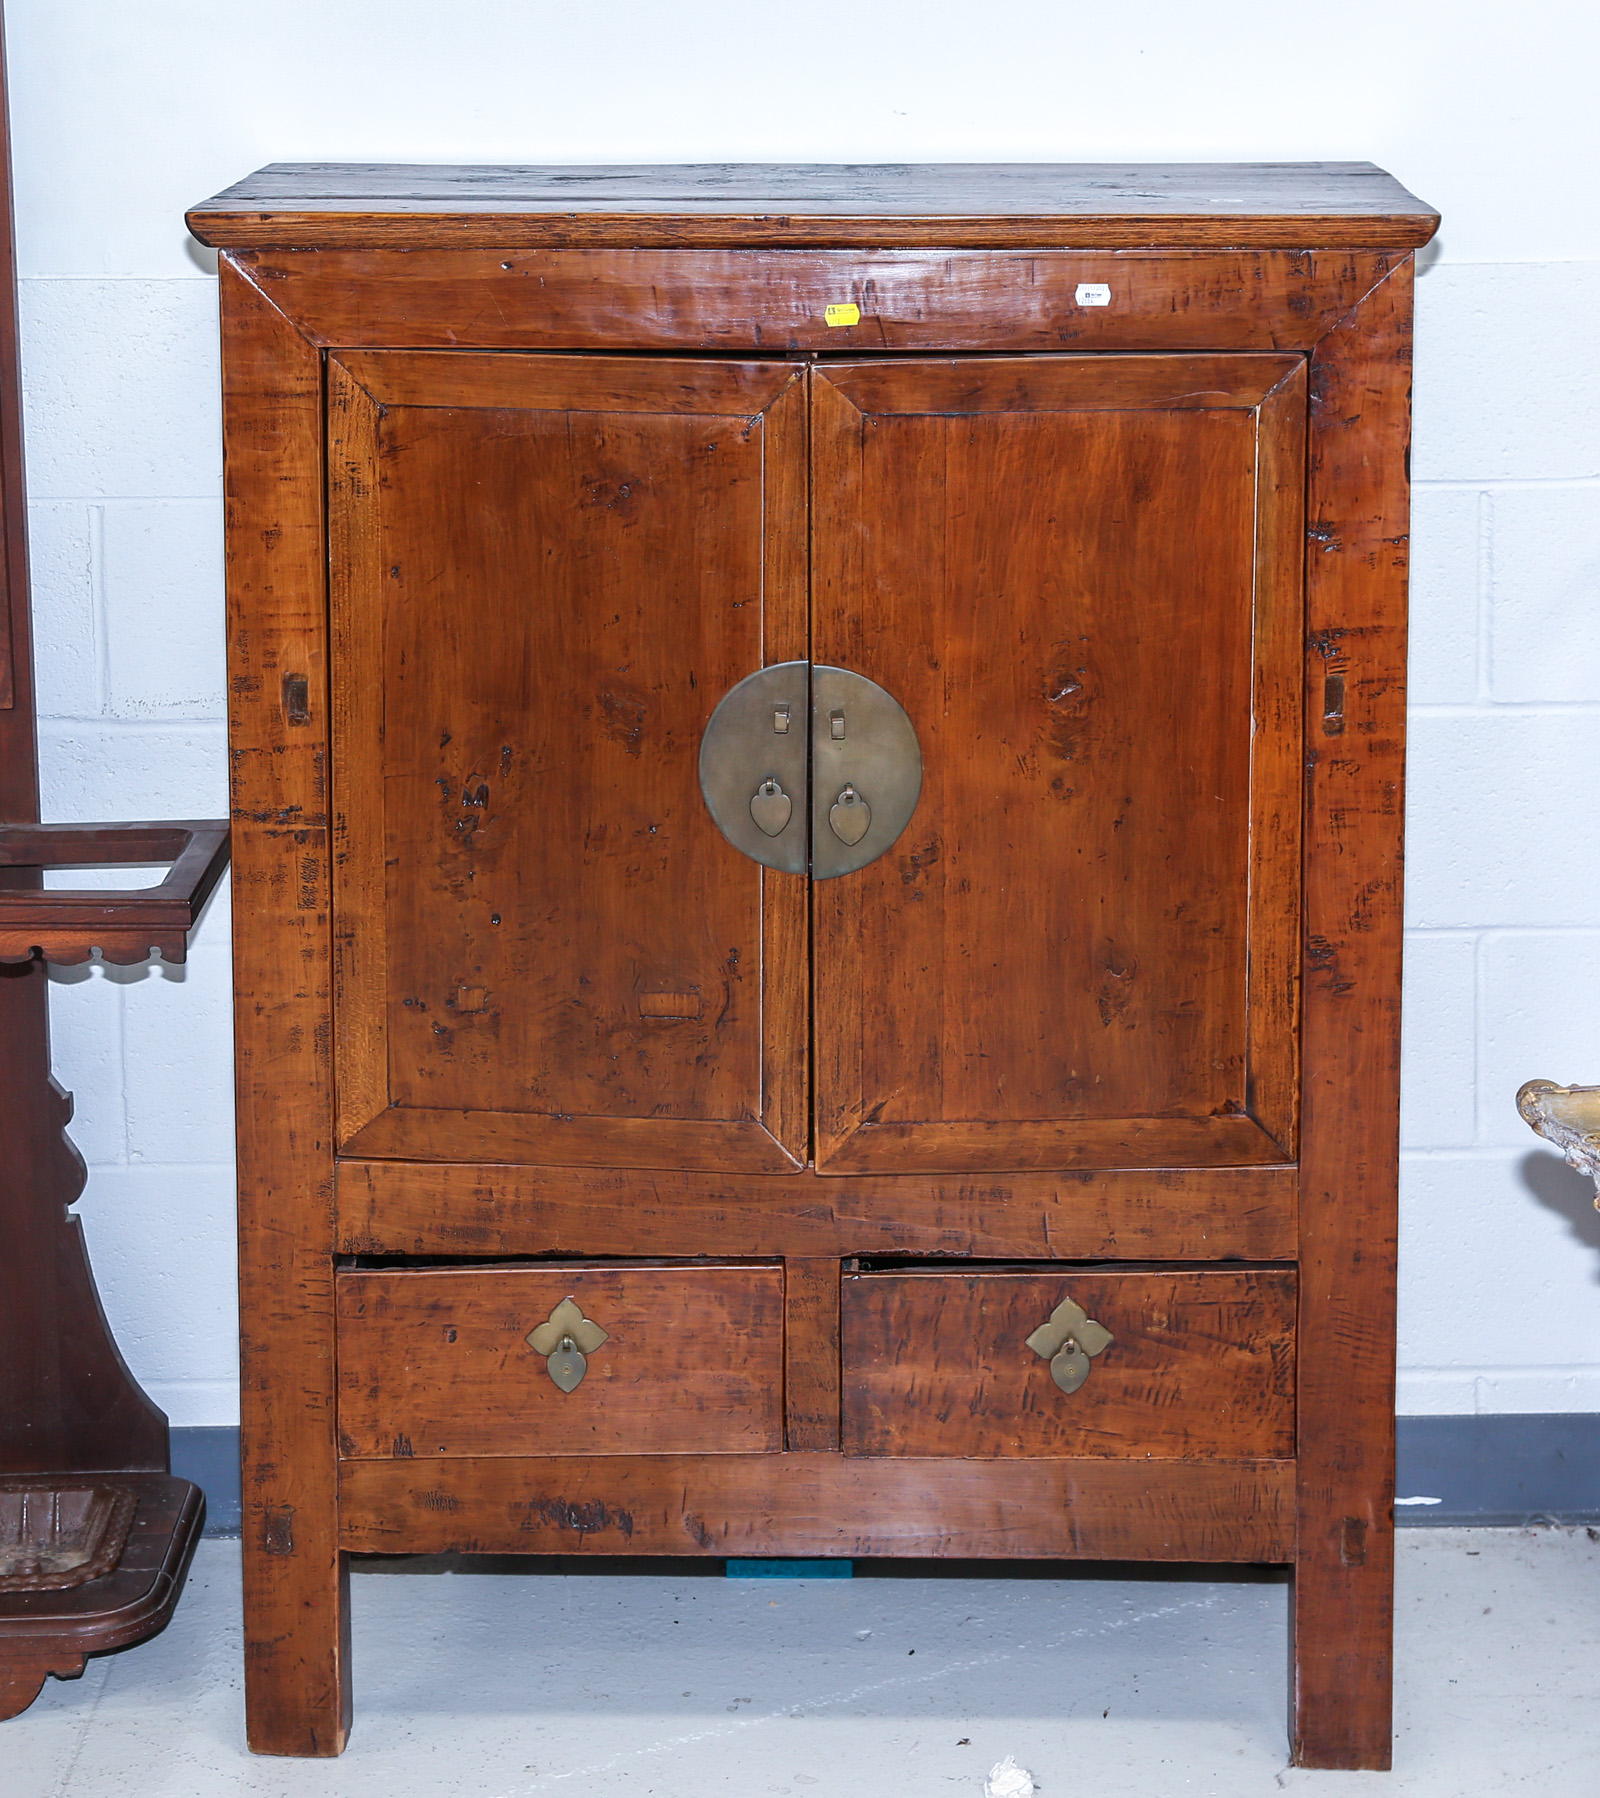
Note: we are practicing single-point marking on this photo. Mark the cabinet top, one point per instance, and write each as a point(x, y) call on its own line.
point(997, 205)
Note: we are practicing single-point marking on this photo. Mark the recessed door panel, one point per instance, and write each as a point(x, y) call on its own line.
point(546, 572)
point(1081, 578)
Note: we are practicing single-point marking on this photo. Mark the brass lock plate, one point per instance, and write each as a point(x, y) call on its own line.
point(810, 768)
point(866, 771)
point(753, 765)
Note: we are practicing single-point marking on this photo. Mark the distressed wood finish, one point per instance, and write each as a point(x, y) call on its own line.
point(1243, 396)
point(1201, 1363)
point(1090, 204)
point(811, 1372)
point(525, 862)
point(392, 1208)
point(296, 1596)
point(1056, 567)
point(837, 1505)
point(735, 302)
point(436, 1362)
point(1357, 540)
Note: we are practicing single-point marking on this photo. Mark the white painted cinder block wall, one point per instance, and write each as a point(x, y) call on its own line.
point(124, 114)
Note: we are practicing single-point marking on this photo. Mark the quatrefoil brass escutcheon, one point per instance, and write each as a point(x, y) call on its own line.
point(566, 1338)
point(1068, 1341)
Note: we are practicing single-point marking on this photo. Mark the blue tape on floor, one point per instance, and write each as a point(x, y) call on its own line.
point(790, 1569)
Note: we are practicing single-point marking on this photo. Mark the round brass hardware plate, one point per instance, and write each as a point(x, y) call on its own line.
point(858, 766)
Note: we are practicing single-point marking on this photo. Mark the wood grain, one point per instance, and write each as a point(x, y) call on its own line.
point(1355, 605)
point(435, 1362)
point(1055, 566)
point(1298, 205)
point(295, 1594)
point(835, 1505)
point(811, 1352)
point(521, 687)
point(936, 1362)
point(1272, 1060)
point(397, 1208)
point(774, 301)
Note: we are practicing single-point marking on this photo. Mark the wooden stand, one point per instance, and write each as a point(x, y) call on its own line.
point(95, 1534)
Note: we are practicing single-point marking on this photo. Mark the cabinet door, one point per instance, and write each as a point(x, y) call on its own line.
point(546, 570)
point(1081, 576)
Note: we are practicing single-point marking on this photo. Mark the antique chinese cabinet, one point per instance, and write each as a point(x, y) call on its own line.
point(817, 776)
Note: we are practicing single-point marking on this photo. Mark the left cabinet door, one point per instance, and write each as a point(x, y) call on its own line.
point(545, 572)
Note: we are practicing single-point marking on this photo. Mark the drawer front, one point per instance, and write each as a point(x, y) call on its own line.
point(1199, 1363)
point(438, 1361)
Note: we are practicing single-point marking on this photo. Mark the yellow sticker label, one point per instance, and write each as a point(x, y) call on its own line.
point(846, 314)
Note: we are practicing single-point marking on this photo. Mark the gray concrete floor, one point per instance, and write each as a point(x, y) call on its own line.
point(504, 1684)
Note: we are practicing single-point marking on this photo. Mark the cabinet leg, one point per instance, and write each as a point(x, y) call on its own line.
point(1342, 1633)
point(297, 1643)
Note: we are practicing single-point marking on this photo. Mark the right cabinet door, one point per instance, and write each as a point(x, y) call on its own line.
point(1081, 576)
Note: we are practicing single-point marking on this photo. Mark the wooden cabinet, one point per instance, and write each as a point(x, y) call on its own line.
point(1026, 1189)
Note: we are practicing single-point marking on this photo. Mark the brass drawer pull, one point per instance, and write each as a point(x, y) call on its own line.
point(1067, 1342)
point(566, 1338)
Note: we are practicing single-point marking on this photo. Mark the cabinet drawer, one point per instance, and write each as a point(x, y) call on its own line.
point(1200, 1363)
point(438, 1361)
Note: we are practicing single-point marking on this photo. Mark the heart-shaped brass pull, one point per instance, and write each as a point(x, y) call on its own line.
point(568, 1364)
point(850, 817)
point(567, 1338)
point(1068, 1341)
point(771, 808)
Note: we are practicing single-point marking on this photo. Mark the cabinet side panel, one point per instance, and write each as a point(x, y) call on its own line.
point(296, 1615)
point(1356, 597)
